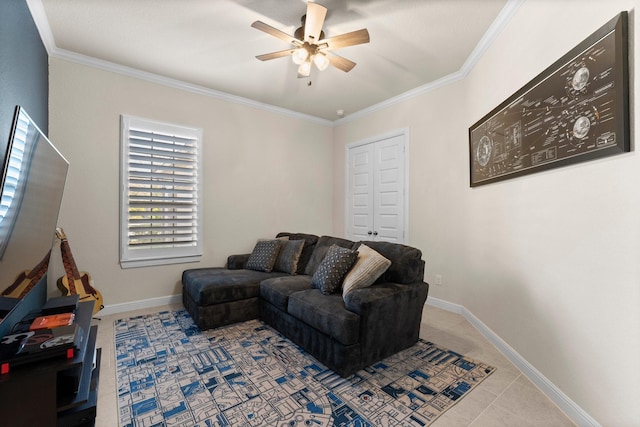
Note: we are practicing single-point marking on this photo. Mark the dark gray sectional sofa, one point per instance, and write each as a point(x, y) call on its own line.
point(346, 333)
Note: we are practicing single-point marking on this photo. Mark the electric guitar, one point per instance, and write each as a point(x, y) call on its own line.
point(75, 282)
point(27, 279)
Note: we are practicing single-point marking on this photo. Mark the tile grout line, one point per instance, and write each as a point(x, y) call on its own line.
point(496, 398)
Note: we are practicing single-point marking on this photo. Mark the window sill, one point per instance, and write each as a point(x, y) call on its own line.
point(136, 263)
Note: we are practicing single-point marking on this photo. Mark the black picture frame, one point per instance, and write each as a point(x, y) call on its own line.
point(575, 110)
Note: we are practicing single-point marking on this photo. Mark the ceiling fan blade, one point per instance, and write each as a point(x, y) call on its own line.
point(344, 40)
point(341, 63)
point(314, 21)
point(274, 55)
point(259, 25)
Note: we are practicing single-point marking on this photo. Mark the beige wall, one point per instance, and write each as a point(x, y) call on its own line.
point(263, 172)
point(550, 261)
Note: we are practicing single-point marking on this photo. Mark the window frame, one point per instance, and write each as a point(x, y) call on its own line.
point(141, 257)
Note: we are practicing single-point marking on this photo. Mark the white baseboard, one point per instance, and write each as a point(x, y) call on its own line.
point(138, 305)
point(570, 408)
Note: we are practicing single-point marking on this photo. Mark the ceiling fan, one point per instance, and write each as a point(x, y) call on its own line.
point(310, 45)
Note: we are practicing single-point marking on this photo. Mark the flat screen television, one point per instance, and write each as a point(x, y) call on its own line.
point(33, 179)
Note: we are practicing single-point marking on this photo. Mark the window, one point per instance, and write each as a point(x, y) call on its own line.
point(160, 216)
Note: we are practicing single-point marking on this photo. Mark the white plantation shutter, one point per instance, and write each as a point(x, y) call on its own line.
point(14, 181)
point(160, 212)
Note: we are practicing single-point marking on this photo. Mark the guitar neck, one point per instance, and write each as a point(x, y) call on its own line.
point(68, 261)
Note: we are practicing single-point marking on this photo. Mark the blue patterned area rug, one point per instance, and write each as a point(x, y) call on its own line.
point(170, 373)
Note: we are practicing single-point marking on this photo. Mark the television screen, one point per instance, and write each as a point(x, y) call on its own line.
point(33, 181)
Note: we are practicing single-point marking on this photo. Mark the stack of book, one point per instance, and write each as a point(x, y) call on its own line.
point(50, 332)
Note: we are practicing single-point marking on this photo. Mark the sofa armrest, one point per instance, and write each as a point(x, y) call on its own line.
point(237, 262)
point(390, 316)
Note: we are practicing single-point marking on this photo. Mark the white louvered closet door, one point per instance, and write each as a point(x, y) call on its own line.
point(376, 190)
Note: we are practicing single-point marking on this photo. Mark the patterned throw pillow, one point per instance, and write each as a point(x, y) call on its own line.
point(335, 264)
point(290, 251)
point(365, 272)
point(264, 255)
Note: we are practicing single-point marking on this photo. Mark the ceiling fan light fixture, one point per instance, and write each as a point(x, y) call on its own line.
point(321, 61)
point(299, 55)
point(309, 44)
point(305, 69)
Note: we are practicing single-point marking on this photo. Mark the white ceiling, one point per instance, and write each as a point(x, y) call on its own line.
point(210, 45)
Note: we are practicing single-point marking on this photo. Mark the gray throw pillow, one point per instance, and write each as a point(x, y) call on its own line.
point(290, 251)
point(334, 266)
point(264, 255)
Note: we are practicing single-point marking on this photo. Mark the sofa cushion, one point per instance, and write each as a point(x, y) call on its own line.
point(406, 266)
point(327, 314)
point(369, 266)
point(278, 289)
point(289, 255)
point(216, 315)
point(208, 286)
point(310, 241)
point(321, 248)
point(264, 255)
point(335, 265)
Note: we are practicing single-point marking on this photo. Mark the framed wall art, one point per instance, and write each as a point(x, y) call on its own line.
point(575, 110)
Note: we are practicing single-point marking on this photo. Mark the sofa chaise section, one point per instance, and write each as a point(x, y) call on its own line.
point(218, 296)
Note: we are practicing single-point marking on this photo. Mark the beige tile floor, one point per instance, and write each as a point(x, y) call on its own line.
point(506, 398)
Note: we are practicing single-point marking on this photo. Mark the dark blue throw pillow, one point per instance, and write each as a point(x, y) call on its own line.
point(264, 255)
point(334, 266)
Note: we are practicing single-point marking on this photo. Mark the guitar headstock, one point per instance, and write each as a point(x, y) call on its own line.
point(60, 234)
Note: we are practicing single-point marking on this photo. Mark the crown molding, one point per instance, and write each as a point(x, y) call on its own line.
point(40, 19)
point(42, 24)
point(487, 39)
point(494, 30)
point(444, 81)
point(179, 84)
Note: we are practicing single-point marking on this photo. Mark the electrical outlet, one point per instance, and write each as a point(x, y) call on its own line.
point(438, 279)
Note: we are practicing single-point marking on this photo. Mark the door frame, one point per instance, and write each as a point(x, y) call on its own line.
point(404, 133)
